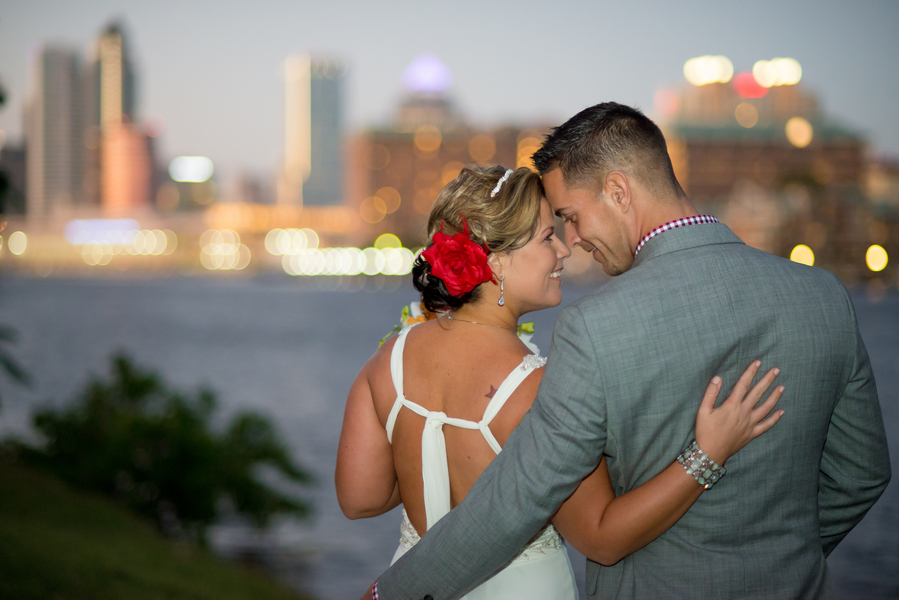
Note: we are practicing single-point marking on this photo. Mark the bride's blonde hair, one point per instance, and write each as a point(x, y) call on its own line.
point(503, 222)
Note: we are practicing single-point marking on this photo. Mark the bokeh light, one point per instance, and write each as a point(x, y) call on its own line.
point(372, 210)
point(154, 125)
point(527, 146)
point(482, 148)
point(390, 197)
point(427, 73)
point(377, 157)
point(451, 170)
point(665, 102)
point(777, 71)
point(747, 115)
point(428, 138)
point(17, 243)
point(102, 239)
point(799, 132)
point(191, 169)
point(348, 261)
point(803, 254)
point(876, 258)
point(221, 250)
point(387, 240)
point(746, 85)
point(704, 70)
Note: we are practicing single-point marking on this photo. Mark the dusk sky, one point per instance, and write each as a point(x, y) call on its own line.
point(212, 69)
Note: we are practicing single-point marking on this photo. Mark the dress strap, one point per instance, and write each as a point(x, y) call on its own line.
point(434, 464)
point(509, 385)
point(396, 373)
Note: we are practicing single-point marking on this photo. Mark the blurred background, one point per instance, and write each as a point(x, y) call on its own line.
point(232, 197)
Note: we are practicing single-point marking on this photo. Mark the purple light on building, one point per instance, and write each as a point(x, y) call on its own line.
point(428, 74)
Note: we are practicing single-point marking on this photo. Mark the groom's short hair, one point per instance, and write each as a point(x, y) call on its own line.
point(609, 137)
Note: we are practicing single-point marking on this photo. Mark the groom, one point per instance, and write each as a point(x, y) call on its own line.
point(625, 372)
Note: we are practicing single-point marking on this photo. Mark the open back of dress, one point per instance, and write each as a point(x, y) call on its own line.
point(542, 569)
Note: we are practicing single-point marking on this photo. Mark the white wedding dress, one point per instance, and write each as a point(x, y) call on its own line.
point(542, 570)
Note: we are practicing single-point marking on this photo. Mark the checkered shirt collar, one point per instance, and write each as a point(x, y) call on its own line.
point(695, 220)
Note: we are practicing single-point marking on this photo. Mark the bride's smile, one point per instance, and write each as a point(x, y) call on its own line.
point(533, 273)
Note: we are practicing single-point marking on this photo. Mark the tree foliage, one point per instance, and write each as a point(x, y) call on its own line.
point(156, 450)
point(8, 335)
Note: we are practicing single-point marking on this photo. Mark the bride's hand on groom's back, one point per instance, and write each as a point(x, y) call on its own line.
point(722, 431)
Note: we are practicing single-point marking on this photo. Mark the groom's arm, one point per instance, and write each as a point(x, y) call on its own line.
point(558, 443)
point(855, 466)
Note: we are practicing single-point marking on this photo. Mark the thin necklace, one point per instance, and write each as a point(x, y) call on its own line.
point(452, 318)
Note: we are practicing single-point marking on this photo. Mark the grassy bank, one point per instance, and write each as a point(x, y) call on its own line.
point(61, 544)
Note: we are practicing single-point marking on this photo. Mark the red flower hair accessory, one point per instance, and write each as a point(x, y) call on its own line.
point(458, 262)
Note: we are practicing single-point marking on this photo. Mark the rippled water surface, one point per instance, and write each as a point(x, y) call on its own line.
point(290, 349)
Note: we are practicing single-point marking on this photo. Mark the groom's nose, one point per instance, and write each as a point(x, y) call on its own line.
point(571, 236)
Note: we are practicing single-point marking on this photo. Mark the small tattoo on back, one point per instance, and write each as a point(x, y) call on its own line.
point(491, 393)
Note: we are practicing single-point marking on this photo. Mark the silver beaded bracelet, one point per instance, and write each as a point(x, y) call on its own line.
point(698, 464)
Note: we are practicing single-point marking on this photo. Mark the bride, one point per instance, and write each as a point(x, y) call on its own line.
point(435, 404)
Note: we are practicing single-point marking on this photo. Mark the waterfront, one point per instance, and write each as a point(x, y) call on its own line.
point(290, 349)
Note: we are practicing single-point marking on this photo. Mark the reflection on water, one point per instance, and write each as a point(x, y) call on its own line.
point(291, 349)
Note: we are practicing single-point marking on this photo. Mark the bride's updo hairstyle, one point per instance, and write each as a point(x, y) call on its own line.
point(505, 222)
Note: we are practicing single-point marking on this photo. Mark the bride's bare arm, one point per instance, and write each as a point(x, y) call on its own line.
point(365, 476)
point(606, 529)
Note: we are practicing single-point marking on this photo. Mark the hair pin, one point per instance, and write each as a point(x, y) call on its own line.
point(500, 183)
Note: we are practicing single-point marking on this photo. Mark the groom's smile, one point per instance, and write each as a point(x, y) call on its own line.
point(590, 222)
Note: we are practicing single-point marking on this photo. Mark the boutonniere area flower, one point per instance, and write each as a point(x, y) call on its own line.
point(410, 315)
point(525, 333)
point(458, 262)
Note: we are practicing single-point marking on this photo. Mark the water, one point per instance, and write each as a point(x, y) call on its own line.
point(290, 349)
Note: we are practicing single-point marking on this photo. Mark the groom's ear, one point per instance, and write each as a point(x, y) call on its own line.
point(618, 190)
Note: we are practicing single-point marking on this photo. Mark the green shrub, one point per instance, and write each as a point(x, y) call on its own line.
point(155, 450)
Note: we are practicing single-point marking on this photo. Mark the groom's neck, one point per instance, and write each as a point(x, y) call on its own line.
point(657, 212)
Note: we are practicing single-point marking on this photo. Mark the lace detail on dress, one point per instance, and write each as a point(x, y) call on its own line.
point(543, 544)
point(533, 361)
point(408, 536)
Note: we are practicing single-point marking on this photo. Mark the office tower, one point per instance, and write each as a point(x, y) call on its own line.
point(313, 127)
point(108, 92)
point(53, 134)
point(127, 172)
point(109, 82)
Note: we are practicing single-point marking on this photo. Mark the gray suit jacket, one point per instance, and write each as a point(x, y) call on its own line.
point(626, 373)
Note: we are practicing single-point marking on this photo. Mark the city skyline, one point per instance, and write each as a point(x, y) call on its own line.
point(214, 76)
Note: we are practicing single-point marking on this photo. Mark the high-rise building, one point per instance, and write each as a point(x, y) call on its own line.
point(108, 78)
point(397, 172)
point(313, 132)
point(755, 149)
point(108, 97)
point(126, 173)
point(53, 134)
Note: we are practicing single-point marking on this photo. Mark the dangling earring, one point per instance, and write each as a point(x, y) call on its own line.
point(501, 301)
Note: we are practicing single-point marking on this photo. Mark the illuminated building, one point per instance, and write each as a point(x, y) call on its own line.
point(53, 135)
point(882, 190)
point(313, 172)
point(108, 92)
point(397, 172)
point(126, 174)
point(755, 149)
